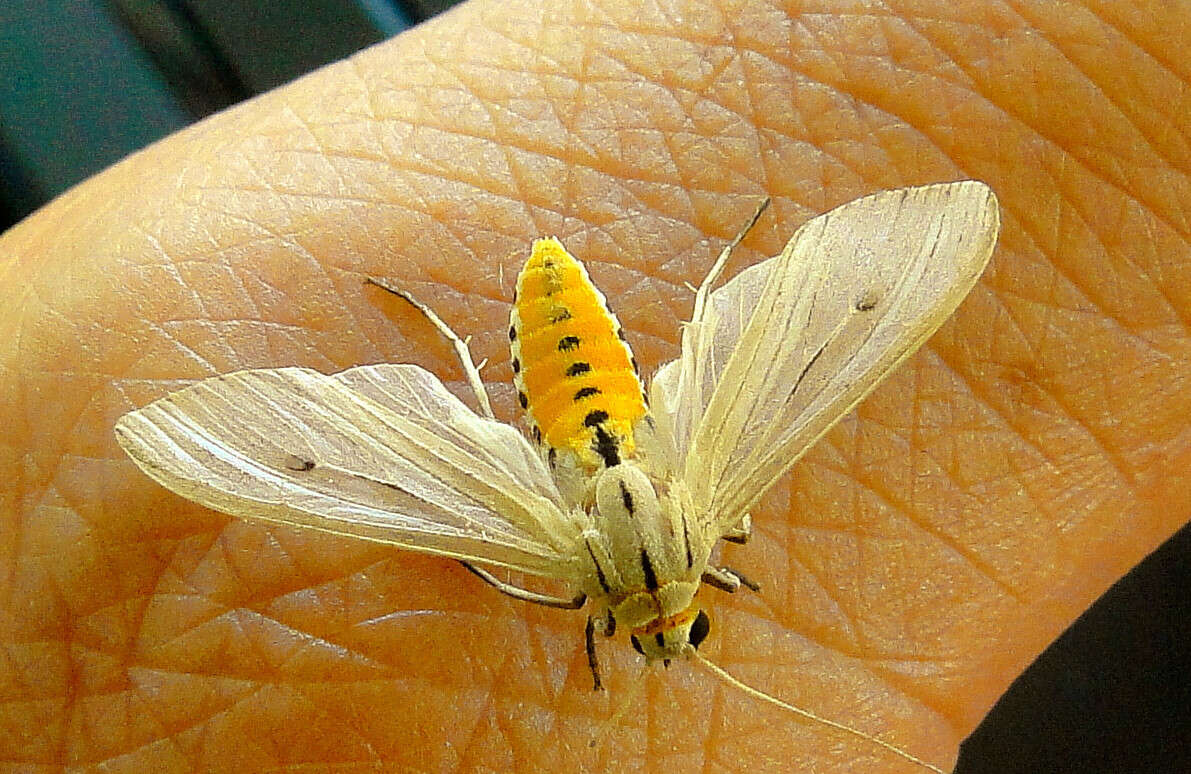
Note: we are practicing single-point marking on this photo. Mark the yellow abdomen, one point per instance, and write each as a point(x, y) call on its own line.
point(575, 374)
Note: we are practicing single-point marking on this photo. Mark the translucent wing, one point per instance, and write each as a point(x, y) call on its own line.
point(778, 354)
point(382, 452)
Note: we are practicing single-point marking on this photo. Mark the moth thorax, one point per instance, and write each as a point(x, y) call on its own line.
point(624, 493)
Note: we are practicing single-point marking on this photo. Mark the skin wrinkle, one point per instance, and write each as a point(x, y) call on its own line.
point(1118, 464)
point(888, 499)
point(890, 680)
point(571, 165)
point(487, 709)
point(1021, 223)
point(1184, 320)
point(520, 189)
point(501, 675)
point(1017, 429)
point(1020, 432)
point(1118, 106)
point(794, 554)
point(1008, 115)
point(885, 677)
point(840, 90)
point(235, 612)
point(787, 541)
point(1099, 175)
point(1171, 65)
point(536, 651)
point(829, 591)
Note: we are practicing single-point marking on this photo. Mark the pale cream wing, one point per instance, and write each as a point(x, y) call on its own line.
point(384, 453)
point(782, 351)
point(419, 396)
point(681, 389)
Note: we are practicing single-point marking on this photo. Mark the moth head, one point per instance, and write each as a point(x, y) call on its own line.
point(669, 638)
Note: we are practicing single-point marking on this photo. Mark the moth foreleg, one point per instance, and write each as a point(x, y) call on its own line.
point(729, 580)
point(593, 662)
point(461, 350)
point(742, 532)
point(718, 267)
point(525, 595)
point(607, 624)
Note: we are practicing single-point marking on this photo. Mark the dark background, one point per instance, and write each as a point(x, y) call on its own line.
point(83, 83)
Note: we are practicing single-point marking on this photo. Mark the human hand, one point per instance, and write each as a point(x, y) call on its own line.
point(913, 563)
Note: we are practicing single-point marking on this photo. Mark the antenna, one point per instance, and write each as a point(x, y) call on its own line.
point(756, 694)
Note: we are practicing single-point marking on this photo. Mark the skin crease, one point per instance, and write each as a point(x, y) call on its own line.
point(913, 563)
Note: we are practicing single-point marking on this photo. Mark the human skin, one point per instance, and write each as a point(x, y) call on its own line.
point(913, 563)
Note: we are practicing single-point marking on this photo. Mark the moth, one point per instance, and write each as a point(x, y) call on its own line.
point(625, 485)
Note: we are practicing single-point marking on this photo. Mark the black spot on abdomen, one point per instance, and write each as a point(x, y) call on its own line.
point(606, 446)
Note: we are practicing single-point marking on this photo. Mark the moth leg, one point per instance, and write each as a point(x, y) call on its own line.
point(718, 267)
point(729, 580)
point(742, 532)
point(607, 624)
point(593, 663)
point(461, 351)
point(516, 592)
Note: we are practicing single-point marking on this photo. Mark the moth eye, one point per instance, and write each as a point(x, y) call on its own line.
point(636, 644)
point(700, 629)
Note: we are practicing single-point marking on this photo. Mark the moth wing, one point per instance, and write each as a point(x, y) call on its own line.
point(419, 396)
point(787, 347)
point(384, 453)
